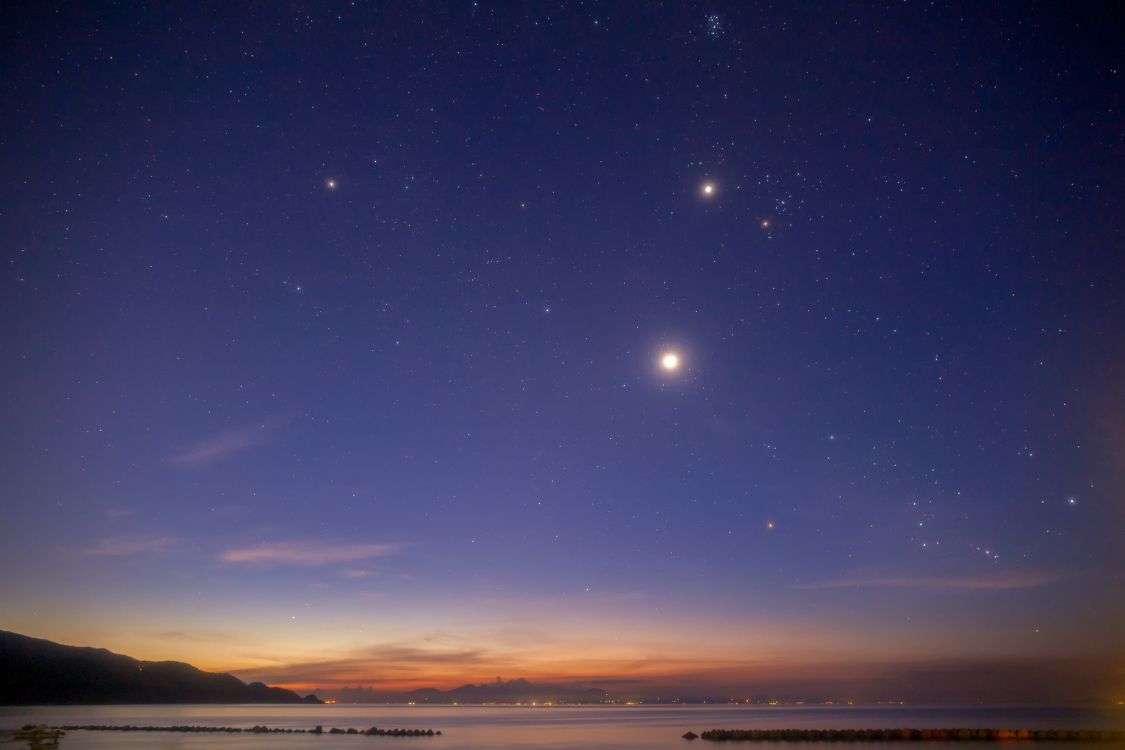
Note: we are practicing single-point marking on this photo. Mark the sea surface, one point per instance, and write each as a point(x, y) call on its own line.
point(539, 728)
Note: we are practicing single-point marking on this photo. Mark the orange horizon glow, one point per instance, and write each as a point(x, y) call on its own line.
point(617, 640)
point(862, 681)
point(736, 661)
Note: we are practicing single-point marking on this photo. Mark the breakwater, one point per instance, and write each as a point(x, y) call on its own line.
point(256, 729)
point(907, 735)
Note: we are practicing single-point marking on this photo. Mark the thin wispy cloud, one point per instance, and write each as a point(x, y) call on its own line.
point(126, 546)
point(1007, 581)
point(311, 553)
point(220, 446)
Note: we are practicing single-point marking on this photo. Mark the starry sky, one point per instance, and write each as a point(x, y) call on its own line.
point(334, 337)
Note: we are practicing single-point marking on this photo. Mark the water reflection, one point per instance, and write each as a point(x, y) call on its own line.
point(554, 728)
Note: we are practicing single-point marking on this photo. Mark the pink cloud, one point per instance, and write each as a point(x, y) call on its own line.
point(124, 546)
point(307, 553)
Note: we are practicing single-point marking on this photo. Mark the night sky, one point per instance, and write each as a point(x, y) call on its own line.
point(333, 342)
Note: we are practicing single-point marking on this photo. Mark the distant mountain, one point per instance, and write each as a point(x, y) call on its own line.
point(39, 672)
point(512, 691)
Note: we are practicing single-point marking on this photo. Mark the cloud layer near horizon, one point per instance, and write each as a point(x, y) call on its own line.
point(394, 667)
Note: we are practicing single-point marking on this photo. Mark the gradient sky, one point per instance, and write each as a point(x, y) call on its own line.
point(331, 340)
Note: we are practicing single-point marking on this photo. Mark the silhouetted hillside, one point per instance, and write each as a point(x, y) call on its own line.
point(38, 672)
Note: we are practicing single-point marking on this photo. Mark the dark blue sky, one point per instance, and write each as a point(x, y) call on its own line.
point(335, 330)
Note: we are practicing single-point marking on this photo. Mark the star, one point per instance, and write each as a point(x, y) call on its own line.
point(708, 189)
point(330, 183)
point(670, 361)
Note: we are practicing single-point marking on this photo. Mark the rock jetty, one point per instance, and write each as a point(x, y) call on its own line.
point(256, 729)
point(908, 735)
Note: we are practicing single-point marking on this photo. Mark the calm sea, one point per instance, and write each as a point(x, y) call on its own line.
point(548, 728)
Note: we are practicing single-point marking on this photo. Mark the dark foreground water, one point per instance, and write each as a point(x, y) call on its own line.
point(547, 728)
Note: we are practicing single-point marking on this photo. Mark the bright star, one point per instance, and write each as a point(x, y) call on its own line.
point(330, 184)
point(670, 361)
point(708, 189)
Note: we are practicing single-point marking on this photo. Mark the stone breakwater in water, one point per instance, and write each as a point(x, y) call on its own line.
point(907, 735)
point(257, 729)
